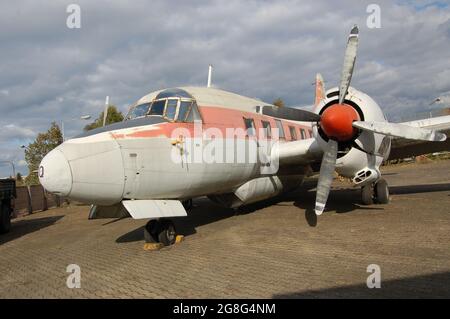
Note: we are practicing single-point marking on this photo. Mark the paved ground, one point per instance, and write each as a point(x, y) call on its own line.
point(274, 250)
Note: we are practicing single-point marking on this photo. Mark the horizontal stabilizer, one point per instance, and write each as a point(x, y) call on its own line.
point(144, 209)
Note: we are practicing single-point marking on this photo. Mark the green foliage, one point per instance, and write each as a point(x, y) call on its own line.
point(113, 116)
point(278, 102)
point(19, 180)
point(35, 152)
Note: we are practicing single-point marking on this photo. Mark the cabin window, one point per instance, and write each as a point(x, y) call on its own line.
point(250, 127)
point(302, 134)
point(280, 129)
point(310, 133)
point(293, 133)
point(267, 129)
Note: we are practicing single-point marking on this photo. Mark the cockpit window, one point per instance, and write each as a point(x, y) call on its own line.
point(138, 111)
point(158, 107)
point(171, 109)
point(175, 105)
point(173, 93)
point(185, 108)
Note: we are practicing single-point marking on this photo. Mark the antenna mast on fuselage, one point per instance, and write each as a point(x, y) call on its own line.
point(209, 76)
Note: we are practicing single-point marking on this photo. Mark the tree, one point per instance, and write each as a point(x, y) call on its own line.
point(113, 116)
point(42, 145)
point(278, 102)
point(19, 179)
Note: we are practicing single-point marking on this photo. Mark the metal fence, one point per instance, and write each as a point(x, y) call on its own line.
point(34, 198)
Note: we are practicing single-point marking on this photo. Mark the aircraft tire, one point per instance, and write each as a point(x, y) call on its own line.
point(367, 194)
point(167, 234)
point(382, 192)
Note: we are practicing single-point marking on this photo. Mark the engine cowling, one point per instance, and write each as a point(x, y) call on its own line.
point(358, 151)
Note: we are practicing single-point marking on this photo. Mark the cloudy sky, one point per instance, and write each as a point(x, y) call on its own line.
point(262, 49)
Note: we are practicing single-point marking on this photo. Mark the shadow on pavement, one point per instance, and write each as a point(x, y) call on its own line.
point(26, 226)
point(414, 189)
point(343, 200)
point(426, 286)
point(204, 212)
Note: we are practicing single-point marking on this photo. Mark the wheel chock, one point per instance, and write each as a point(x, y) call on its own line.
point(153, 246)
point(158, 246)
point(179, 239)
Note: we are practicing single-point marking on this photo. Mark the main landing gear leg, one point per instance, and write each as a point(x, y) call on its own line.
point(378, 193)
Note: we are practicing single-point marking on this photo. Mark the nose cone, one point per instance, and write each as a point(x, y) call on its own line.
point(337, 122)
point(55, 174)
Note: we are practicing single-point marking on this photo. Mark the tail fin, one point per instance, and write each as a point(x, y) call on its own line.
point(320, 89)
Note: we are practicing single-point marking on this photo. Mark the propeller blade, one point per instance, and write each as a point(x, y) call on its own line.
point(290, 113)
point(349, 63)
point(326, 175)
point(401, 130)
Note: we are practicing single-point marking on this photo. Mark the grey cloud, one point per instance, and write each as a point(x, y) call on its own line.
point(264, 49)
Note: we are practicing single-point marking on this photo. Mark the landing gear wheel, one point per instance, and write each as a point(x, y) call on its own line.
point(382, 192)
point(367, 194)
point(167, 234)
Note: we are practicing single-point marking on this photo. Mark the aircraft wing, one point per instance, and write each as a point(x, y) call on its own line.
point(402, 148)
point(297, 152)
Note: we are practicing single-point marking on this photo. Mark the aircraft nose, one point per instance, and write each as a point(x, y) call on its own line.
point(55, 173)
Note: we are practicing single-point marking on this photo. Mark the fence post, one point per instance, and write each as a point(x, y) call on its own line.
point(30, 206)
point(44, 200)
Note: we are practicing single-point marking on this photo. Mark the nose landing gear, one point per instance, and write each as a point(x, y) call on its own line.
point(375, 193)
point(160, 231)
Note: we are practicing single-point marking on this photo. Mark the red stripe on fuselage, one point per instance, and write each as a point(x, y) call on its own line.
point(218, 119)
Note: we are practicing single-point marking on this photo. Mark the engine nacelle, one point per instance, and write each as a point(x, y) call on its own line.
point(360, 157)
point(258, 189)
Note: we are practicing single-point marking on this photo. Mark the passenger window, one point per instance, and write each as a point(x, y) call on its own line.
point(158, 107)
point(280, 128)
point(250, 127)
point(171, 109)
point(293, 133)
point(302, 134)
point(267, 129)
point(310, 133)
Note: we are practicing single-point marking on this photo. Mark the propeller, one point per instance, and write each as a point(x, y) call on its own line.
point(331, 122)
point(340, 122)
point(401, 130)
point(326, 175)
point(349, 63)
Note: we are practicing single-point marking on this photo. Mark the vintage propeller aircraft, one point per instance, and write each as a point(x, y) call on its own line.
point(181, 143)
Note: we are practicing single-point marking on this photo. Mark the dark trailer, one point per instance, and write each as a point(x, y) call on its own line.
point(7, 196)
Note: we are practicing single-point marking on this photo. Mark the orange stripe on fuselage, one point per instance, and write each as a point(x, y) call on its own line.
point(220, 119)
